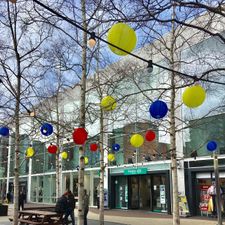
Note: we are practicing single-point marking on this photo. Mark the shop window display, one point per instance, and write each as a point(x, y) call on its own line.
point(207, 194)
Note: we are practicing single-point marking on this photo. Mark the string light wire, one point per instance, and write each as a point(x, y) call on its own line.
point(115, 46)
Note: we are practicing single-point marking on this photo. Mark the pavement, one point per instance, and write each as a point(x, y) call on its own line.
point(129, 217)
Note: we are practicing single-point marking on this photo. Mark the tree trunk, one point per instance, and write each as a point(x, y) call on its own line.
point(58, 172)
point(17, 152)
point(82, 119)
point(17, 127)
point(176, 216)
point(175, 206)
point(58, 162)
point(102, 169)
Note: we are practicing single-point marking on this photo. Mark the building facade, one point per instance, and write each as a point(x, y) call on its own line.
point(139, 178)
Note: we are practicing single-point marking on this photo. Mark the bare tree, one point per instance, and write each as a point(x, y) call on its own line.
point(19, 56)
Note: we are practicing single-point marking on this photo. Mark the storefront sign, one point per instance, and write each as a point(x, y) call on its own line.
point(162, 194)
point(135, 171)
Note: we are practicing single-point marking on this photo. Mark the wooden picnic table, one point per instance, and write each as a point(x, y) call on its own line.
point(38, 217)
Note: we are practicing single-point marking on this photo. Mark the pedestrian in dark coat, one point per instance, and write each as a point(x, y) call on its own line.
point(21, 200)
point(62, 204)
point(8, 196)
point(71, 207)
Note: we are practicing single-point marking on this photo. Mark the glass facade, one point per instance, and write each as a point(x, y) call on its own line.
point(203, 130)
point(130, 192)
point(43, 188)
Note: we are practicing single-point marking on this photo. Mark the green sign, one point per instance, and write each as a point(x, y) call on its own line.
point(135, 171)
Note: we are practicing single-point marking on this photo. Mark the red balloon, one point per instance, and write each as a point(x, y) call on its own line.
point(52, 149)
point(150, 135)
point(93, 147)
point(80, 136)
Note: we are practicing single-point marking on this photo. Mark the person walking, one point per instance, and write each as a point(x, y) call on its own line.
point(71, 207)
point(86, 206)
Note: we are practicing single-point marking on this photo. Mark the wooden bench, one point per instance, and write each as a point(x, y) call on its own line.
point(35, 216)
point(24, 221)
point(44, 208)
point(38, 217)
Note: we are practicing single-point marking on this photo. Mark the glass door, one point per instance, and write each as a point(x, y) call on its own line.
point(134, 192)
point(159, 193)
point(145, 201)
point(121, 193)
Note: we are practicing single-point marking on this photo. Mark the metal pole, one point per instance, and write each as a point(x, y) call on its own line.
point(218, 196)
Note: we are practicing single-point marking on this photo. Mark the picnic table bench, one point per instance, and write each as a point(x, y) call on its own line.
point(38, 217)
point(44, 215)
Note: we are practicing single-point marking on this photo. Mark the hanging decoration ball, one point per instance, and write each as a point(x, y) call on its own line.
point(64, 155)
point(86, 160)
point(122, 36)
point(111, 157)
point(211, 146)
point(80, 135)
point(4, 131)
point(52, 149)
point(194, 96)
point(30, 152)
point(136, 140)
point(150, 135)
point(46, 129)
point(93, 147)
point(158, 109)
point(115, 147)
point(108, 103)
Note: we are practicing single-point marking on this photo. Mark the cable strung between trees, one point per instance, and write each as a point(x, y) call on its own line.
point(195, 78)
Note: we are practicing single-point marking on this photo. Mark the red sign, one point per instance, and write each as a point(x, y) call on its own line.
point(204, 187)
point(203, 206)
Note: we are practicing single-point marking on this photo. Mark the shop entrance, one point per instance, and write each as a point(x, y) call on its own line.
point(140, 192)
point(148, 192)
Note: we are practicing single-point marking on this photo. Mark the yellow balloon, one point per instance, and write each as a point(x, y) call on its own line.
point(108, 103)
point(29, 152)
point(86, 160)
point(64, 155)
point(136, 140)
point(111, 157)
point(123, 36)
point(193, 96)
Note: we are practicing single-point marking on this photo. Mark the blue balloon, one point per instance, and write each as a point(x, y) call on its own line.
point(4, 131)
point(46, 129)
point(158, 109)
point(116, 147)
point(211, 146)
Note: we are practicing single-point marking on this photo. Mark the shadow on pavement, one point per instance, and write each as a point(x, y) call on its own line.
point(90, 222)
